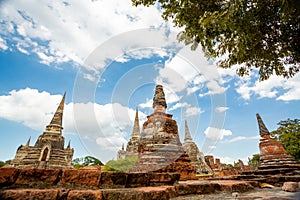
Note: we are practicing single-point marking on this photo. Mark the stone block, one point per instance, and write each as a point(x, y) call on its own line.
point(137, 180)
point(80, 178)
point(121, 193)
point(113, 180)
point(28, 194)
point(38, 178)
point(290, 187)
point(84, 194)
point(163, 178)
point(233, 186)
point(160, 193)
point(145, 193)
point(8, 176)
point(196, 187)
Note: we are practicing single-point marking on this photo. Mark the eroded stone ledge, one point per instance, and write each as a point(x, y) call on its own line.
point(146, 193)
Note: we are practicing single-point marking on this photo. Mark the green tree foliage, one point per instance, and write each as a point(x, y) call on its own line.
point(254, 161)
point(249, 33)
point(288, 133)
point(91, 161)
point(78, 161)
point(86, 161)
point(121, 164)
point(2, 163)
point(229, 165)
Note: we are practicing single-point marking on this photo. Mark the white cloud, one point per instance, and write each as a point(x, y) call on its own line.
point(239, 138)
point(143, 53)
point(92, 121)
point(291, 88)
point(231, 160)
point(25, 106)
point(227, 160)
point(221, 109)
point(275, 87)
point(171, 96)
point(170, 78)
point(212, 147)
point(179, 105)
point(189, 71)
point(69, 31)
point(147, 104)
point(216, 133)
point(244, 90)
point(112, 143)
point(176, 74)
point(193, 89)
point(3, 44)
point(191, 111)
point(214, 87)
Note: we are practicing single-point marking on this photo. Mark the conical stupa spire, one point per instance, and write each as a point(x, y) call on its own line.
point(69, 145)
point(28, 142)
point(58, 116)
point(136, 125)
point(159, 100)
point(262, 127)
point(187, 135)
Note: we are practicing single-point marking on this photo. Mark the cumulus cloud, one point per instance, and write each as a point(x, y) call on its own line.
point(25, 106)
point(292, 91)
point(176, 74)
point(215, 87)
point(147, 104)
point(108, 125)
point(216, 133)
point(232, 160)
point(3, 44)
point(171, 95)
point(191, 111)
point(179, 105)
point(227, 160)
point(221, 109)
point(189, 71)
point(63, 31)
point(275, 87)
point(112, 143)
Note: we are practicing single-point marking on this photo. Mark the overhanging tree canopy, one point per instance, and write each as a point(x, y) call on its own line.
point(262, 34)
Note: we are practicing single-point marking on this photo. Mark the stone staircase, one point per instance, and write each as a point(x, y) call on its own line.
point(275, 175)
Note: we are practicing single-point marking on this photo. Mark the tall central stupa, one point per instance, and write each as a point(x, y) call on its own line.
point(160, 149)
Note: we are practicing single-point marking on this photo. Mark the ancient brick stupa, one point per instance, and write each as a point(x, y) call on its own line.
point(48, 151)
point(133, 144)
point(275, 165)
point(196, 156)
point(160, 149)
point(272, 153)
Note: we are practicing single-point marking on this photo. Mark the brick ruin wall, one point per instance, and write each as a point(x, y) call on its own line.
point(80, 179)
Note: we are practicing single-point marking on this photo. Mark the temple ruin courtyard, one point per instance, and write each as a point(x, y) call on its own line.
point(166, 168)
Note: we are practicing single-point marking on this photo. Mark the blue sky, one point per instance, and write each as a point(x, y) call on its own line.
point(108, 56)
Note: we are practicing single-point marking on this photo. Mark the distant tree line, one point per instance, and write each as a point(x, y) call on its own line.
point(86, 161)
point(2, 163)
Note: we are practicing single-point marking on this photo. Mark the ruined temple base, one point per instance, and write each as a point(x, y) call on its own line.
point(181, 189)
point(276, 176)
point(166, 162)
point(94, 184)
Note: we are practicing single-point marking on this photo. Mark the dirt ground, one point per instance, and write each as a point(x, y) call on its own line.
point(257, 194)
